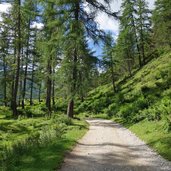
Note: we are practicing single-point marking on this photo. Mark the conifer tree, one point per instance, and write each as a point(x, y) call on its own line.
point(134, 42)
point(162, 24)
point(79, 23)
point(50, 47)
point(29, 14)
point(4, 44)
point(143, 27)
point(108, 58)
point(17, 16)
point(126, 45)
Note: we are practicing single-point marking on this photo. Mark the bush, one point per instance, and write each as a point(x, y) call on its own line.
point(167, 124)
point(112, 109)
point(5, 112)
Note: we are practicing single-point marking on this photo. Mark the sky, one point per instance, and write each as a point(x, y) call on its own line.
point(109, 24)
point(105, 22)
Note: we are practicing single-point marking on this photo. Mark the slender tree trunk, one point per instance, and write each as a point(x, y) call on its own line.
point(21, 81)
point(128, 63)
point(113, 76)
point(142, 46)
point(32, 82)
point(49, 67)
point(13, 79)
point(70, 110)
point(49, 87)
point(81, 89)
point(26, 68)
point(40, 86)
point(53, 87)
point(129, 68)
point(33, 70)
point(82, 98)
point(53, 93)
point(136, 40)
point(18, 51)
point(5, 80)
point(142, 39)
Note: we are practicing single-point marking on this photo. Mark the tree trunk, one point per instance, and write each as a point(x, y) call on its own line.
point(18, 51)
point(142, 46)
point(48, 94)
point(5, 80)
point(49, 85)
point(82, 98)
point(113, 77)
point(70, 110)
point(53, 87)
point(21, 81)
point(129, 65)
point(32, 83)
point(26, 68)
point(40, 86)
point(49, 65)
point(136, 40)
point(53, 93)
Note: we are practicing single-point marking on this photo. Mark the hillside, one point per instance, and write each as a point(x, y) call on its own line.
point(142, 103)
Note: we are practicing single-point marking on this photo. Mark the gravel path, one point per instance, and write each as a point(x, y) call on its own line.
point(107, 146)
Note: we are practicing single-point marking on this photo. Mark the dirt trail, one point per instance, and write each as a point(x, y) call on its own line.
point(108, 146)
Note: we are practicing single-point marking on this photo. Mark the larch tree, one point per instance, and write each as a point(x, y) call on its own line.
point(143, 26)
point(4, 45)
point(134, 41)
point(78, 23)
point(49, 47)
point(108, 58)
point(17, 54)
point(29, 13)
point(162, 24)
point(127, 46)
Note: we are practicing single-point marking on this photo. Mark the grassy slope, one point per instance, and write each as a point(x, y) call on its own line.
point(143, 103)
point(152, 132)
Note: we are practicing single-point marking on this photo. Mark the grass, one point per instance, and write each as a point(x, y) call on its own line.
point(91, 115)
point(153, 134)
point(50, 157)
point(37, 143)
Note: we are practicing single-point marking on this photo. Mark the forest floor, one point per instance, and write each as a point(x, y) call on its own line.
point(108, 146)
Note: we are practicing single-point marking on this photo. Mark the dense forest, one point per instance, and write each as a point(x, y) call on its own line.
point(51, 79)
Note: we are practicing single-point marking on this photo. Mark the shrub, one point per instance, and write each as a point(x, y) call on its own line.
point(167, 123)
point(5, 112)
point(112, 109)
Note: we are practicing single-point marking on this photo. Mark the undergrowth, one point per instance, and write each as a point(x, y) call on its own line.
point(37, 143)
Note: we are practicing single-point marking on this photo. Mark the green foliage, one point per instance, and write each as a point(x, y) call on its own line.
point(24, 141)
point(5, 112)
point(145, 95)
point(162, 24)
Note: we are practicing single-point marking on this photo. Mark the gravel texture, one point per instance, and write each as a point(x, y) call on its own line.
point(108, 146)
